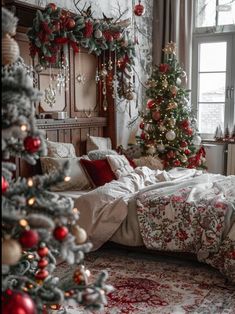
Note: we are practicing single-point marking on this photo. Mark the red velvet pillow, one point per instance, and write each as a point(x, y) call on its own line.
point(131, 162)
point(98, 171)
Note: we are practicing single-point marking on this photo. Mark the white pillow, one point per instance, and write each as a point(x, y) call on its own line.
point(100, 154)
point(119, 165)
point(78, 177)
point(60, 150)
point(95, 142)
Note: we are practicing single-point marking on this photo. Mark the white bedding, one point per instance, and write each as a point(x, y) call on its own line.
point(104, 212)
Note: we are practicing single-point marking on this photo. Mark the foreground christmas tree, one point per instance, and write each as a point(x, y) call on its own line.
point(37, 226)
point(168, 131)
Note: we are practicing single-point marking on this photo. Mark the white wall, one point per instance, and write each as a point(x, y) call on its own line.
point(140, 28)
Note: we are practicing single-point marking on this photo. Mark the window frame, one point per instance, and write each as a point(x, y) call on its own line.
point(208, 35)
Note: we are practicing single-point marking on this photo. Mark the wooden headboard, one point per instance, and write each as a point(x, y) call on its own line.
point(65, 131)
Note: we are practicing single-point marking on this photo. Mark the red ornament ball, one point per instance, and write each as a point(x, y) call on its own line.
point(150, 103)
point(5, 185)
point(29, 238)
point(189, 131)
point(42, 263)
point(176, 163)
point(52, 6)
point(17, 302)
point(139, 9)
point(185, 124)
point(43, 251)
point(141, 125)
point(32, 144)
point(60, 233)
point(156, 115)
point(183, 144)
point(170, 154)
point(41, 274)
point(70, 24)
point(187, 152)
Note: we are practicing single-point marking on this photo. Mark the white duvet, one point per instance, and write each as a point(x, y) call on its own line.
point(109, 212)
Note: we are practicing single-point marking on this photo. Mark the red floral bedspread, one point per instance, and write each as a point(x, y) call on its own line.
point(197, 218)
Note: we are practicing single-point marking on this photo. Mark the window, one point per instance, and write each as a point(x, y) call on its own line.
point(214, 65)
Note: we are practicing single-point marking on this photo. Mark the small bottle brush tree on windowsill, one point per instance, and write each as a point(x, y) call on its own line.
point(167, 130)
point(37, 225)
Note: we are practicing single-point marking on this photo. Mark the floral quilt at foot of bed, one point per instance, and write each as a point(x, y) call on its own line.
point(199, 218)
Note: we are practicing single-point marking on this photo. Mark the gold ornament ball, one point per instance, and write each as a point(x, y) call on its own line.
point(10, 50)
point(11, 252)
point(79, 234)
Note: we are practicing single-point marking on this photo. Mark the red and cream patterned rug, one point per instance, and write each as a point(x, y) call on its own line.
point(151, 284)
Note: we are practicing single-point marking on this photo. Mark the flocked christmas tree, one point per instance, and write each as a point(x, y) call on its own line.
point(168, 130)
point(37, 226)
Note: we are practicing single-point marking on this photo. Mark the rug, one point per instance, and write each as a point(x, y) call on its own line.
point(151, 284)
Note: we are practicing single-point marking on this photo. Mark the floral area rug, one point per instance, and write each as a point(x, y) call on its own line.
point(151, 284)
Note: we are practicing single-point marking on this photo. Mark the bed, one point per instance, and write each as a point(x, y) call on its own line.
point(184, 211)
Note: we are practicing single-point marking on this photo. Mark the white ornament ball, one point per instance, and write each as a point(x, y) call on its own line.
point(79, 234)
point(151, 150)
point(160, 148)
point(98, 34)
point(196, 140)
point(11, 252)
point(183, 74)
point(10, 50)
point(178, 81)
point(170, 135)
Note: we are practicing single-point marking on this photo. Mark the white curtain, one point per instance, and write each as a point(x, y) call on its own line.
point(173, 21)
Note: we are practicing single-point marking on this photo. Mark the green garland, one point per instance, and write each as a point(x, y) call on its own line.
point(55, 27)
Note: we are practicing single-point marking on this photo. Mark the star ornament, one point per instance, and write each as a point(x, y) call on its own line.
point(170, 48)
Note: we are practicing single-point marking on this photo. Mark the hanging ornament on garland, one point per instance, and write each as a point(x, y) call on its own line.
point(98, 34)
point(17, 302)
point(139, 9)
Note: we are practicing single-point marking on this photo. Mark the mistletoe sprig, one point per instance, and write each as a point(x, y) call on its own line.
point(55, 27)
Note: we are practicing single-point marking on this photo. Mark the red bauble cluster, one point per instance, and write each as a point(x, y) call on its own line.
point(5, 185)
point(108, 36)
point(17, 302)
point(29, 238)
point(139, 9)
point(42, 273)
point(32, 144)
point(60, 233)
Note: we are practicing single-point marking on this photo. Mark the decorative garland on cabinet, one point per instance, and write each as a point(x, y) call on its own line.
point(54, 28)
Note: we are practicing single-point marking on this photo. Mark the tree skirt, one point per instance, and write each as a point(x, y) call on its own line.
point(151, 284)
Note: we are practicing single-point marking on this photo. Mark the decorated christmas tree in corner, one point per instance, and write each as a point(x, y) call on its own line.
point(168, 130)
point(37, 226)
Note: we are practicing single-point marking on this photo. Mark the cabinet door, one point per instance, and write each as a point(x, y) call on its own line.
point(83, 84)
